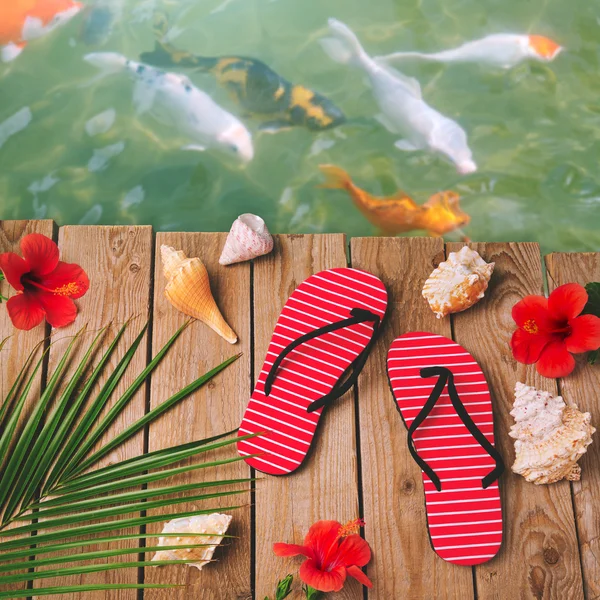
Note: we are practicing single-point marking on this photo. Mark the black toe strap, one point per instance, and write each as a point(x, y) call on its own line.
point(446, 377)
point(359, 315)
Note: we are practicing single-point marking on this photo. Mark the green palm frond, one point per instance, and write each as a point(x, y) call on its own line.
point(49, 479)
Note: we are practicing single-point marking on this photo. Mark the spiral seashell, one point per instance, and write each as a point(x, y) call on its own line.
point(188, 290)
point(458, 282)
point(550, 436)
point(247, 239)
point(215, 524)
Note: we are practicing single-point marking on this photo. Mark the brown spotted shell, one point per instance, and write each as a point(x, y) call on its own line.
point(458, 282)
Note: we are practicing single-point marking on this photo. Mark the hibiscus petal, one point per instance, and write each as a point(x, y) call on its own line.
point(359, 576)
point(281, 549)
point(60, 310)
point(527, 347)
point(585, 334)
point(532, 310)
point(25, 311)
point(13, 267)
point(40, 252)
point(324, 581)
point(322, 538)
point(353, 551)
point(567, 301)
point(555, 361)
point(67, 280)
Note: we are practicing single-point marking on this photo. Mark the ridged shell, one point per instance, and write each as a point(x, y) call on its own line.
point(550, 437)
point(458, 282)
point(247, 239)
point(188, 290)
point(215, 524)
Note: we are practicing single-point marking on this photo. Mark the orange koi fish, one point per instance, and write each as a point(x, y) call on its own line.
point(24, 20)
point(399, 213)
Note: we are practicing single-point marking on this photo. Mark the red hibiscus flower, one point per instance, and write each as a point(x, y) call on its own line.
point(333, 551)
point(45, 286)
point(551, 329)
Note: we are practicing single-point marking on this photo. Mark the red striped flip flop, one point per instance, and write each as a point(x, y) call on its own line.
point(326, 329)
point(445, 402)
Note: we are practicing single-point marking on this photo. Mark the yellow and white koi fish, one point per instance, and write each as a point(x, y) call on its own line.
point(403, 110)
point(500, 50)
point(173, 100)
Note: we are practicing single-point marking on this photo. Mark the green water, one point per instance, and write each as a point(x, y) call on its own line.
point(534, 130)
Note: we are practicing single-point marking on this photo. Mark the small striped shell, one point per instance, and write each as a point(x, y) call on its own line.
point(215, 524)
point(458, 282)
point(550, 437)
point(248, 238)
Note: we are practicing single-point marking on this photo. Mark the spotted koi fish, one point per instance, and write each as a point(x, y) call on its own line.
point(399, 213)
point(258, 89)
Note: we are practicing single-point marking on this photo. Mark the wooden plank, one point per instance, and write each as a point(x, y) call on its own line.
point(404, 564)
point(539, 557)
point(20, 343)
point(581, 388)
point(326, 486)
point(216, 408)
point(118, 261)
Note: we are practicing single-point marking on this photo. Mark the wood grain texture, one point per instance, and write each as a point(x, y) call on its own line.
point(404, 564)
point(19, 344)
point(118, 262)
point(539, 558)
point(581, 388)
point(214, 409)
point(325, 486)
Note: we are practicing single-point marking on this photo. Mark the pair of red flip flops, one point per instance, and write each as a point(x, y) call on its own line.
point(319, 347)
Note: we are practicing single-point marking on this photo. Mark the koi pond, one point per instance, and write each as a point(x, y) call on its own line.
point(469, 119)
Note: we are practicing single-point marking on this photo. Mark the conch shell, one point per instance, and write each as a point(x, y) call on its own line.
point(550, 436)
point(215, 524)
point(188, 290)
point(458, 282)
point(247, 239)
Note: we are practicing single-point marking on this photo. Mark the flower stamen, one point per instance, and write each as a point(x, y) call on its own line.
point(69, 289)
point(350, 528)
point(530, 326)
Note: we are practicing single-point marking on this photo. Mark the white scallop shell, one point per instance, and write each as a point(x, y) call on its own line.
point(550, 437)
point(458, 283)
point(247, 239)
point(215, 524)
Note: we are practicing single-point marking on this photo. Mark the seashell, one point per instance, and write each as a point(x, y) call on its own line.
point(216, 525)
point(550, 436)
point(188, 290)
point(247, 239)
point(458, 283)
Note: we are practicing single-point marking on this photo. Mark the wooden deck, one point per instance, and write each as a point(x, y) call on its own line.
point(359, 464)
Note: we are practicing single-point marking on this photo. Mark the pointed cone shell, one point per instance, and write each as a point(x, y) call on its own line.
point(248, 239)
point(188, 290)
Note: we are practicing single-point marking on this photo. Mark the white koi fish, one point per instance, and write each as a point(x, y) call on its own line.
point(501, 50)
point(173, 100)
point(403, 109)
